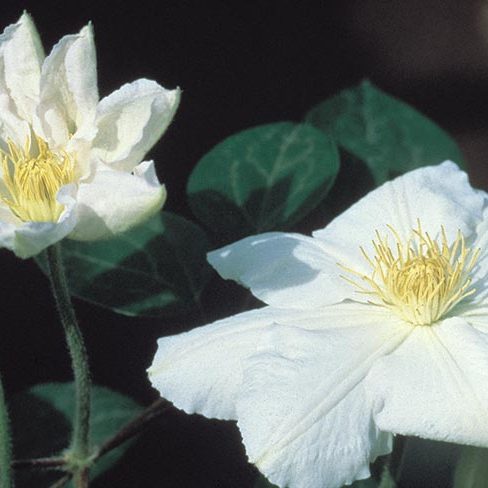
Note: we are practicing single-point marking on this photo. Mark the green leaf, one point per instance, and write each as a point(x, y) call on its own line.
point(41, 422)
point(262, 482)
point(368, 483)
point(262, 179)
point(390, 136)
point(157, 269)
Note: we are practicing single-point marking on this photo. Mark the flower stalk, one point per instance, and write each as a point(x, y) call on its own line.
point(5, 443)
point(39, 463)
point(79, 452)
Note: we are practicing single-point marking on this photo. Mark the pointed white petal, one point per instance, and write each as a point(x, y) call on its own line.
point(21, 56)
point(69, 92)
point(26, 239)
point(20, 59)
point(114, 201)
point(302, 411)
point(434, 385)
point(131, 120)
point(475, 314)
point(284, 270)
point(480, 272)
point(201, 371)
point(80, 146)
point(11, 126)
point(437, 195)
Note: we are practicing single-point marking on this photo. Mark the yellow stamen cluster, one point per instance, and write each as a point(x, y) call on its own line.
point(421, 279)
point(32, 178)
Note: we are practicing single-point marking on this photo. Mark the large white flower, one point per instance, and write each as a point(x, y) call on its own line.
point(377, 324)
point(71, 164)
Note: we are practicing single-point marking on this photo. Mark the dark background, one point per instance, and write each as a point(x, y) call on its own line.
point(239, 65)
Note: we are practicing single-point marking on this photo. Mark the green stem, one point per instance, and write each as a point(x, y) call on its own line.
point(80, 445)
point(387, 480)
point(61, 482)
point(80, 478)
point(398, 458)
point(5, 443)
point(40, 463)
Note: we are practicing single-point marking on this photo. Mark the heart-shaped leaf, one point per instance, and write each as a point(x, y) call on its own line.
point(156, 269)
point(390, 136)
point(262, 179)
point(42, 418)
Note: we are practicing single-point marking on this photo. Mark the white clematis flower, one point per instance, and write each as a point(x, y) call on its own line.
point(377, 324)
point(70, 164)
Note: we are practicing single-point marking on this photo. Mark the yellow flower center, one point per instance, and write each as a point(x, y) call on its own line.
point(32, 178)
point(421, 279)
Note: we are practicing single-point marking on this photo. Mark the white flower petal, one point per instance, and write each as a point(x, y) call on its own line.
point(11, 126)
point(26, 239)
point(480, 272)
point(6, 214)
point(114, 201)
point(21, 56)
point(69, 92)
point(201, 371)
point(19, 83)
point(437, 195)
point(131, 120)
point(283, 270)
point(434, 385)
point(302, 411)
point(80, 146)
point(475, 314)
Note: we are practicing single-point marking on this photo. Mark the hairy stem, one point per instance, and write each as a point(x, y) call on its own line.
point(132, 428)
point(80, 442)
point(41, 463)
point(61, 482)
point(6, 480)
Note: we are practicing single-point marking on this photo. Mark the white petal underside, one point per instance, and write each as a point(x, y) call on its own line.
point(69, 92)
point(434, 385)
point(131, 120)
point(115, 201)
point(19, 81)
point(21, 56)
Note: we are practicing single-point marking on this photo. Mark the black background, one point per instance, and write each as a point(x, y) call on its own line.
point(239, 65)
